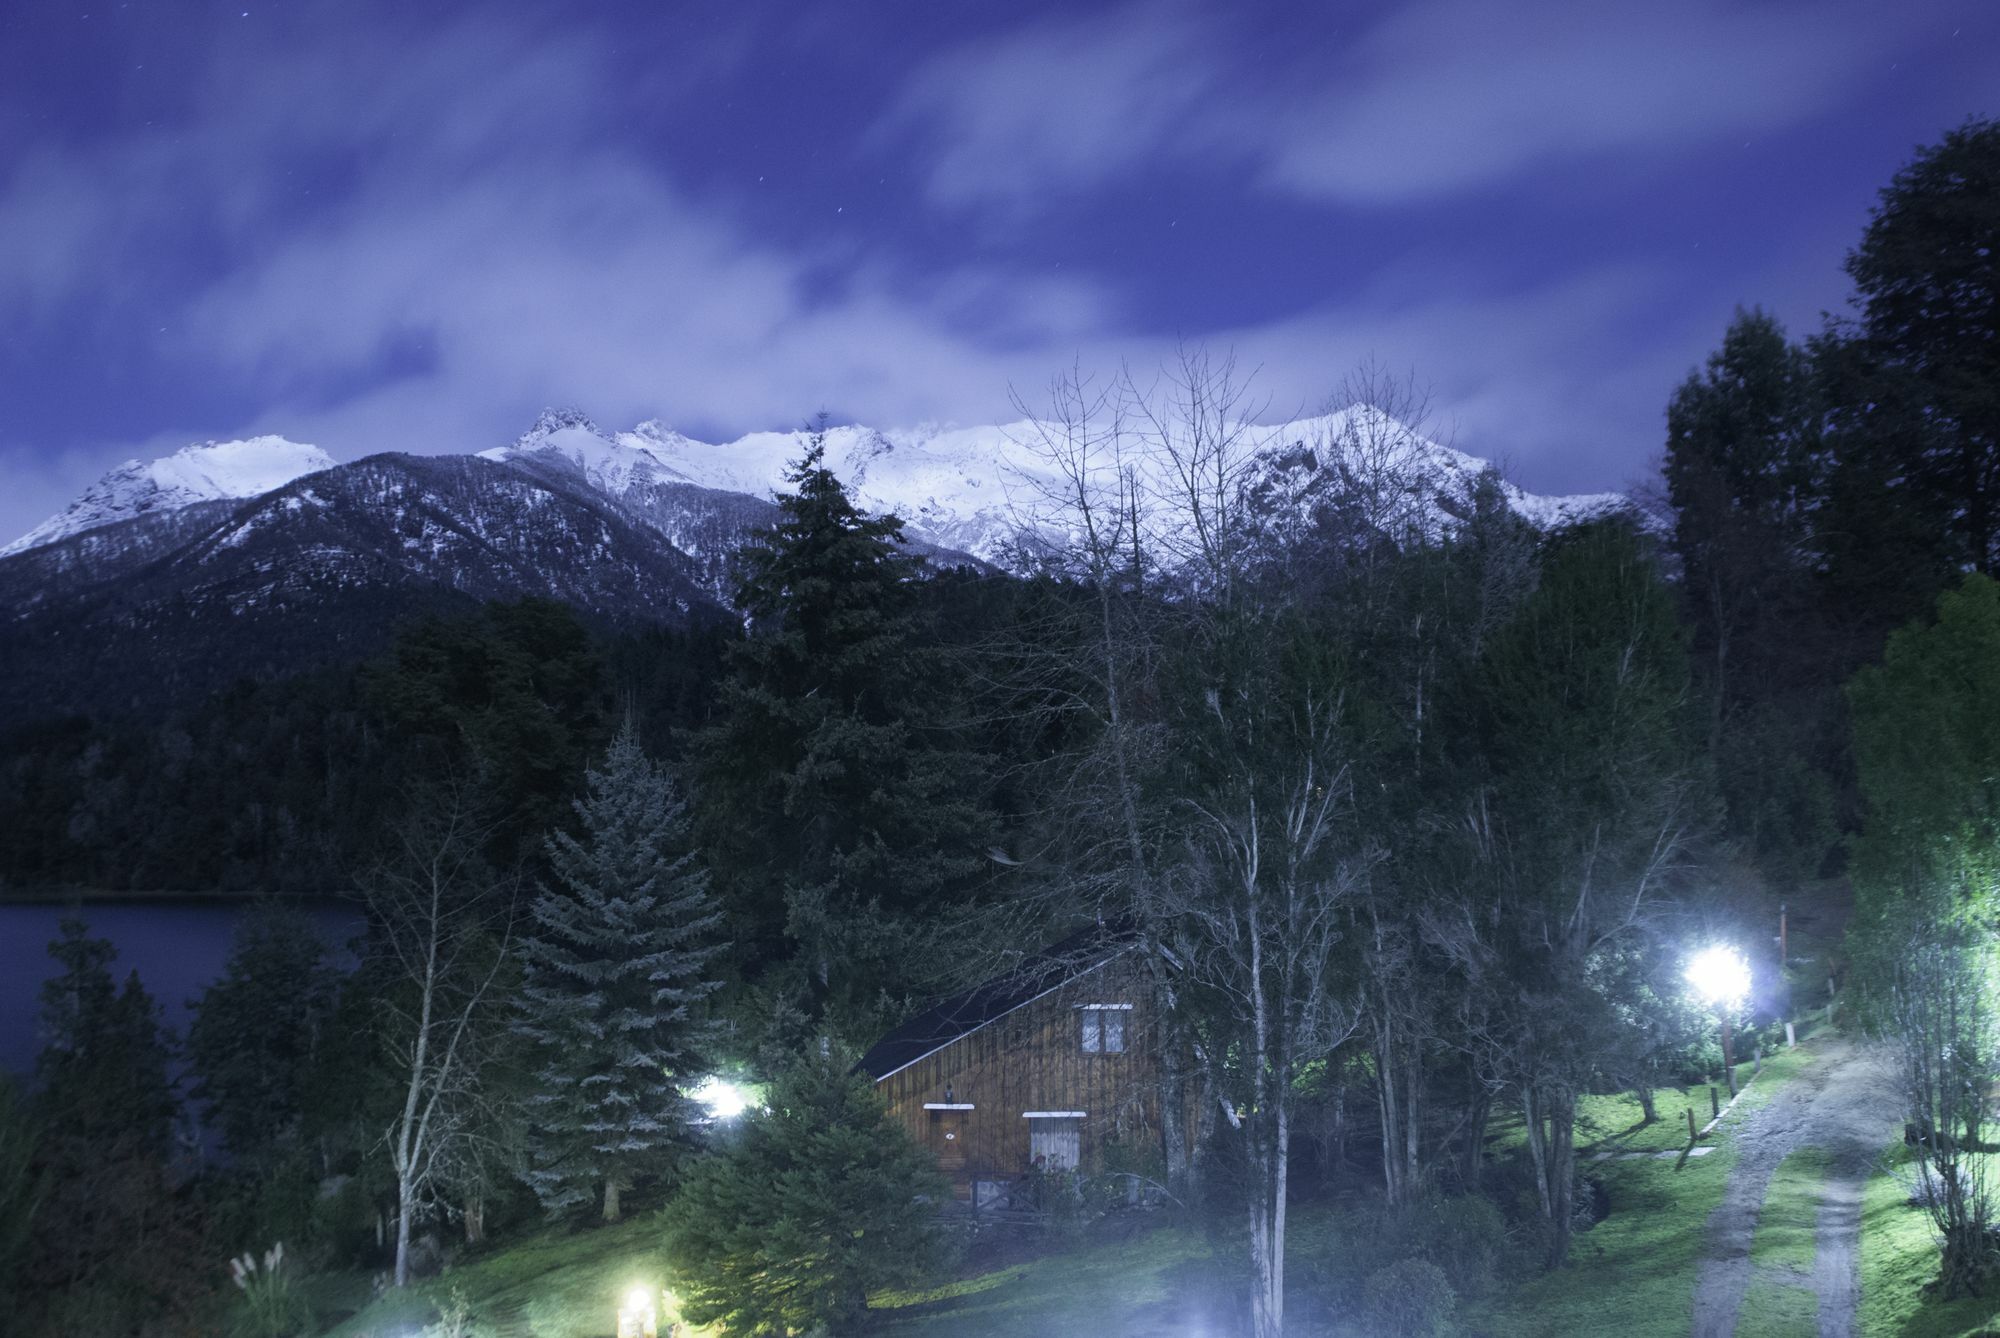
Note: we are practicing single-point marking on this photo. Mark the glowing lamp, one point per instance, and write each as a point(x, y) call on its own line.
point(639, 1316)
point(722, 1099)
point(1719, 976)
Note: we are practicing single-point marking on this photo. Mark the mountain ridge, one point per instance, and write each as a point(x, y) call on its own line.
point(958, 489)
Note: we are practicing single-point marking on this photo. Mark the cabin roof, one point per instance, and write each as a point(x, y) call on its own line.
point(962, 1014)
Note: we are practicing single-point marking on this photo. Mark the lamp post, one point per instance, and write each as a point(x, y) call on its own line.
point(1720, 978)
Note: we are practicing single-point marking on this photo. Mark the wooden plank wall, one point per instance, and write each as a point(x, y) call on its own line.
point(1033, 1059)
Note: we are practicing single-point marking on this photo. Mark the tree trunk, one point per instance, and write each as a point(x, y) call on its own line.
point(403, 1206)
point(611, 1193)
point(1561, 1170)
point(1474, 1162)
point(1412, 1125)
point(1385, 1098)
point(475, 1220)
point(1173, 1089)
point(1646, 1106)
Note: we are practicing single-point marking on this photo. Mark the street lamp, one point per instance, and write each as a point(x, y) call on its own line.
point(1720, 978)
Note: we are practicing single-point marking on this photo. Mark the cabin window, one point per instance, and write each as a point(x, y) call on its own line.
point(1104, 1028)
point(1055, 1139)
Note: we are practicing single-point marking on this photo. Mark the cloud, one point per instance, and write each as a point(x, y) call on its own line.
point(482, 244)
point(1057, 105)
point(418, 252)
point(1434, 99)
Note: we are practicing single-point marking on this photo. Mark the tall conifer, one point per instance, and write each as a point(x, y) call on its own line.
point(847, 815)
point(615, 970)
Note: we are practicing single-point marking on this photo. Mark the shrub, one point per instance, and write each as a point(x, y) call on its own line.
point(820, 1199)
point(271, 1306)
point(1410, 1297)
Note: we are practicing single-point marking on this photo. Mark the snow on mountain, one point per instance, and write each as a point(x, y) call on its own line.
point(973, 489)
point(966, 490)
point(206, 472)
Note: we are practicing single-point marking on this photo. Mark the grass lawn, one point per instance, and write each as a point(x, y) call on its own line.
point(1778, 1310)
point(1634, 1273)
point(1789, 1220)
point(1106, 1290)
point(1780, 1301)
point(561, 1284)
point(1899, 1256)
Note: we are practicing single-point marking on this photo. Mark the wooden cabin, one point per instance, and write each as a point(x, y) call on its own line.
point(1038, 1069)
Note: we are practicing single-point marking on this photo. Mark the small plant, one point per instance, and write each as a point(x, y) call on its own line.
point(1411, 1297)
point(271, 1307)
point(454, 1316)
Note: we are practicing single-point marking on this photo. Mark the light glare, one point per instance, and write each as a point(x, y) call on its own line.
point(724, 1100)
point(1719, 976)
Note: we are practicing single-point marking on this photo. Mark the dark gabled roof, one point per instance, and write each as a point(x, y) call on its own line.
point(963, 1014)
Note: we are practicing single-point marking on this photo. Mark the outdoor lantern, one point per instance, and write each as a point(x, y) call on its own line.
point(639, 1316)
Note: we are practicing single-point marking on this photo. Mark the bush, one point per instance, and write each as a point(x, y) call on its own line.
point(1410, 1297)
point(819, 1200)
point(271, 1306)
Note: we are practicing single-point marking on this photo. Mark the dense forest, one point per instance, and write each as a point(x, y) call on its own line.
point(1414, 815)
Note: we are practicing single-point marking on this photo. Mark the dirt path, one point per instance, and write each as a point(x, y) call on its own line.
point(1845, 1104)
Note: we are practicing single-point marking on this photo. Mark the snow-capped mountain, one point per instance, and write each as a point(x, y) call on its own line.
point(964, 490)
point(206, 472)
point(973, 490)
point(261, 558)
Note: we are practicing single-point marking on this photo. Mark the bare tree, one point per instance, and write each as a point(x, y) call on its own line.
point(441, 920)
point(1259, 911)
point(1943, 1016)
point(1230, 849)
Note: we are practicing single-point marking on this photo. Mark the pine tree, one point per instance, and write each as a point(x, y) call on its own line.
point(1746, 473)
point(1925, 386)
point(256, 1034)
point(820, 1200)
point(111, 1231)
point(846, 815)
point(21, 1191)
point(615, 970)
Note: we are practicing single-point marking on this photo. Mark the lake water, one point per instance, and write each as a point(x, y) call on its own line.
point(177, 947)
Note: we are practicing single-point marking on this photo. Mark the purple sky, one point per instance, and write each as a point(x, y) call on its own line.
point(377, 225)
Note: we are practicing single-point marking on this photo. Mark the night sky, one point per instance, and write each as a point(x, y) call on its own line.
point(409, 226)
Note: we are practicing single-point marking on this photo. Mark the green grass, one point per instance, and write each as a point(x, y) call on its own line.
point(1780, 1301)
point(560, 1284)
point(1899, 1257)
point(1633, 1274)
point(1114, 1290)
point(1789, 1220)
point(1774, 1309)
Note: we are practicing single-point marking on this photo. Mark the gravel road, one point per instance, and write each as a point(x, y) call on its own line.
point(1846, 1105)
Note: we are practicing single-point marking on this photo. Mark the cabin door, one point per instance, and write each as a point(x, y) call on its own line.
point(948, 1139)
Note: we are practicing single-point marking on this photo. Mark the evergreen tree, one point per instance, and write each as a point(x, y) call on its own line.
point(255, 1039)
point(1924, 386)
point(514, 696)
point(821, 1199)
point(847, 818)
point(615, 970)
point(114, 1245)
point(21, 1192)
point(1745, 473)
